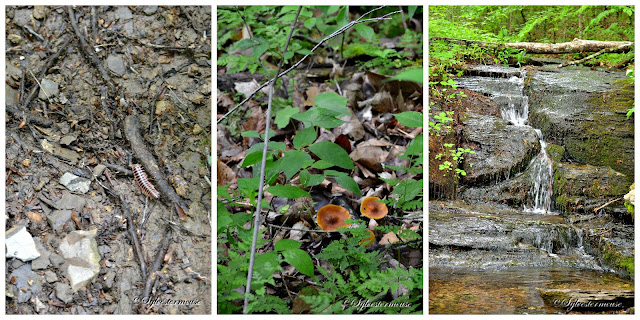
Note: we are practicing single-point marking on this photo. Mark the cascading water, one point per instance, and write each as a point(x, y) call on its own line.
point(514, 107)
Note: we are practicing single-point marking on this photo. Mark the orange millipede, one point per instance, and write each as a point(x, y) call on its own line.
point(143, 182)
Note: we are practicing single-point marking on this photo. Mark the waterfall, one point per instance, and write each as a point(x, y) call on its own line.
point(542, 176)
point(515, 109)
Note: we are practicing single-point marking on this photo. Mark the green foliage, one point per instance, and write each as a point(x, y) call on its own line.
point(284, 164)
point(357, 277)
point(630, 73)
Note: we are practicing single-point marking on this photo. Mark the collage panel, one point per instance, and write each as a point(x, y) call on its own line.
point(329, 154)
point(108, 160)
point(531, 159)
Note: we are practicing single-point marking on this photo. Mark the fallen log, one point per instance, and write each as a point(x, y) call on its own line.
point(574, 46)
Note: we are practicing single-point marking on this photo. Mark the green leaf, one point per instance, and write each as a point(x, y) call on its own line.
point(300, 259)
point(365, 31)
point(321, 164)
point(273, 145)
point(265, 265)
point(411, 11)
point(294, 160)
point(254, 158)
point(413, 75)
point(415, 146)
point(333, 102)
point(286, 244)
point(250, 134)
point(332, 153)
point(321, 117)
point(410, 118)
point(283, 116)
point(289, 192)
point(304, 137)
point(343, 16)
point(310, 23)
point(344, 180)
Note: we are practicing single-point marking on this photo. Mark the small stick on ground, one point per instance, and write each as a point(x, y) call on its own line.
point(43, 72)
point(131, 231)
point(132, 132)
point(157, 264)
point(84, 47)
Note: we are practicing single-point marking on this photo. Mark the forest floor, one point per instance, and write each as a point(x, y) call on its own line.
point(66, 115)
point(372, 137)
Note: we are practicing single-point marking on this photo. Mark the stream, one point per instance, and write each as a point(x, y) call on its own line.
point(508, 239)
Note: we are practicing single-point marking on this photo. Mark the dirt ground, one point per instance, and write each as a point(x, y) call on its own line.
point(67, 115)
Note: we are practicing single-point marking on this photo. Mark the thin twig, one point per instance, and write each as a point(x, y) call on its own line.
point(40, 85)
point(84, 47)
point(157, 264)
point(606, 204)
point(43, 72)
point(329, 37)
point(262, 171)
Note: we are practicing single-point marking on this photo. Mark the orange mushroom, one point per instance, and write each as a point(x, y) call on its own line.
point(372, 208)
point(368, 240)
point(332, 217)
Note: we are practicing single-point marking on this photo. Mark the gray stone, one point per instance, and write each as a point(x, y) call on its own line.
point(25, 283)
point(75, 183)
point(13, 71)
point(150, 10)
point(22, 17)
point(58, 218)
point(80, 250)
point(501, 149)
point(56, 260)
point(67, 140)
point(40, 12)
point(63, 292)
point(50, 87)
point(124, 13)
point(20, 244)
point(99, 169)
point(42, 262)
point(582, 188)
point(71, 201)
point(116, 64)
point(109, 278)
point(50, 276)
point(11, 98)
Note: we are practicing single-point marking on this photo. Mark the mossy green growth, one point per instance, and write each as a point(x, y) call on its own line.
point(628, 263)
point(630, 208)
point(555, 152)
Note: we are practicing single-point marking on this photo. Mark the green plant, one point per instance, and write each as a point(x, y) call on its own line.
point(356, 282)
point(632, 80)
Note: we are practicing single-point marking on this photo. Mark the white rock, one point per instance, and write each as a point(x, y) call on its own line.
point(80, 249)
point(20, 244)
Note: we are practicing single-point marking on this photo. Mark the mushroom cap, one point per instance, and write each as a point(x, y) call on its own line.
point(332, 217)
point(373, 209)
point(368, 240)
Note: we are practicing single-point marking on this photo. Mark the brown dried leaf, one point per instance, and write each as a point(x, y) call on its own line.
point(225, 174)
point(311, 92)
point(389, 238)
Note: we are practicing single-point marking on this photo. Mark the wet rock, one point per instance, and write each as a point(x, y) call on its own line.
point(116, 64)
point(582, 188)
point(80, 250)
point(20, 244)
point(48, 89)
point(42, 262)
point(63, 292)
point(71, 201)
point(75, 183)
point(25, 283)
point(585, 112)
point(58, 218)
point(50, 276)
point(501, 149)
